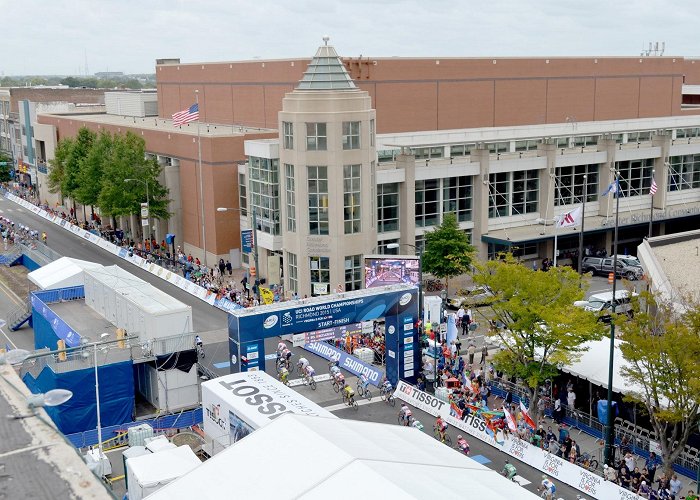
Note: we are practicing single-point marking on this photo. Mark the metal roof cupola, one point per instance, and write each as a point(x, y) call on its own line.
point(326, 71)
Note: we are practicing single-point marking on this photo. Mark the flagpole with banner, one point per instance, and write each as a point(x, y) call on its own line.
point(652, 192)
point(201, 182)
point(565, 220)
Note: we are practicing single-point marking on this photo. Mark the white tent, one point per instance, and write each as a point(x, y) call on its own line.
point(150, 472)
point(62, 273)
point(319, 458)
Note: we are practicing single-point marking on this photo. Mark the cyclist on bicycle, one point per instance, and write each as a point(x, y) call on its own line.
point(339, 378)
point(509, 470)
point(386, 385)
point(309, 372)
point(441, 427)
point(405, 414)
point(363, 382)
point(348, 394)
point(198, 341)
point(302, 364)
point(416, 424)
point(284, 356)
point(547, 486)
point(284, 375)
point(462, 445)
point(281, 347)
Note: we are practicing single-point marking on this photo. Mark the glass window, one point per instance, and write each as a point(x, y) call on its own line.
point(351, 198)
point(684, 172)
point(526, 145)
point(317, 179)
point(427, 199)
point(635, 176)
point(351, 135)
point(562, 142)
point(457, 197)
point(242, 194)
point(387, 155)
point(353, 272)
point(499, 147)
point(316, 138)
point(290, 184)
point(382, 247)
point(513, 193)
point(263, 191)
point(288, 131)
point(292, 272)
point(387, 207)
point(372, 133)
point(461, 149)
point(426, 153)
point(569, 184)
point(320, 272)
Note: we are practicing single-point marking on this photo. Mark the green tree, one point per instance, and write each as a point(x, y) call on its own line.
point(447, 250)
point(82, 144)
point(5, 169)
point(127, 160)
point(58, 164)
point(89, 177)
point(542, 329)
point(662, 347)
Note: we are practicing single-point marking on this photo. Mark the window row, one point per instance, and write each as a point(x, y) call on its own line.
point(513, 193)
point(434, 197)
point(684, 172)
point(571, 181)
point(317, 135)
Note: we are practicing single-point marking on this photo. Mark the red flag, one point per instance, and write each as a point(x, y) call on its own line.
point(510, 420)
point(526, 416)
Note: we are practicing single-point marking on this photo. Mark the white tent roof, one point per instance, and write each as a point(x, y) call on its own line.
point(340, 459)
point(155, 468)
point(593, 366)
point(61, 273)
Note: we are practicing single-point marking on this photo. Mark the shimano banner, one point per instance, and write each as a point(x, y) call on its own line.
point(346, 361)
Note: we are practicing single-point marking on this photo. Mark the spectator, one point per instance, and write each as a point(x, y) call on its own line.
point(484, 354)
point(471, 349)
point(571, 398)
point(675, 485)
point(609, 473)
point(630, 462)
point(651, 465)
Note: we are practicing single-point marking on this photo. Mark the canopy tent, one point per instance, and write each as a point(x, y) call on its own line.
point(593, 366)
point(150, 472)
point(340, 459)
point(62, 273)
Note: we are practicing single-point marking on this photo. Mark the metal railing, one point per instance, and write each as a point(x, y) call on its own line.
point(39, 252)
point(60, 294)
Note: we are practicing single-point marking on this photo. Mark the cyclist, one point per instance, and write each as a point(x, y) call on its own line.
point(284, 356)
point(348, 394)
point(363, 382)
point(284, 375)
point(547, 487)
point(405, 413)
point(198, 341)
point(416, 424)
point(309, 372)
point(462, 445)
point(339, 378)
point(43, 237)
point(281, 347)
point(386, 386)
point(302, 364)
point(509, 470)
point(441, 427)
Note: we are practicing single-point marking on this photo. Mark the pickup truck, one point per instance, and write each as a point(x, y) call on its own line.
point(604, 266)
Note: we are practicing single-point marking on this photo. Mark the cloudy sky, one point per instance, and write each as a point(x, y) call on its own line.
point(56, 37)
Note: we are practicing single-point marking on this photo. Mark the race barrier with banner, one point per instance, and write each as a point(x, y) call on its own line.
point(172, 277)
point(346, 361)
point(557, 468)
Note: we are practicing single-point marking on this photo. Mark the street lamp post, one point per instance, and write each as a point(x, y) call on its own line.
point(148, 206)
point(255, 245)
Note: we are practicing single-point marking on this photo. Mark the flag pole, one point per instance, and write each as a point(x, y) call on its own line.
point(201, 187)
point(556, 249)
point(583, 219)
point(651, 210)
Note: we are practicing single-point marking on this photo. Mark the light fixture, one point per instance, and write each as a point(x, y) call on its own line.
point(54, 397)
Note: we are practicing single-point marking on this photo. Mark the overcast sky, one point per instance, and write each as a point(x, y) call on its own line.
point(56, 37)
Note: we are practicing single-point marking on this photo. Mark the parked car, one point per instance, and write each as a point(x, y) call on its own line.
point(470, 297)
point(604, 266)
point(629, 260)
point(601, 304)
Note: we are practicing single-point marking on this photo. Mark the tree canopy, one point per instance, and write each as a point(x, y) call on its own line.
point(662, 346)
point(541, 328)
point(5, 169)
point(447, 250)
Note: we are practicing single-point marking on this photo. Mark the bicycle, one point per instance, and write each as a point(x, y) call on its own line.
point(338, 385)
point(200, 351)
point(387, 396)
point(350, 401)
point(443, 437)
point(404, 420)
point(363, 390)
point(282, 362)
point(310, 381)
point(587, 461)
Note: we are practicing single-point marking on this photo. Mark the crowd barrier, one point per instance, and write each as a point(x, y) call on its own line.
point(169, 276)
point(556, 468)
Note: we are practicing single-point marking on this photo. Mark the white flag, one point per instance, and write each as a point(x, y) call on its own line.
point(572, 218)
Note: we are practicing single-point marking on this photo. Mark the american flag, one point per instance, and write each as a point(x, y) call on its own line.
point(186, 115)
point(652, 189)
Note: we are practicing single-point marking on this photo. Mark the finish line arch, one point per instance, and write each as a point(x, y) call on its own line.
point(397, 304)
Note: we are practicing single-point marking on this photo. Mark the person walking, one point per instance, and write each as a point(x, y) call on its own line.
point(471, 349)
point(229, 267)
point(484, 354)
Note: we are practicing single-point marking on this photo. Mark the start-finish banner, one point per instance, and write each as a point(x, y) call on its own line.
point(346, 361)
point(557, 468)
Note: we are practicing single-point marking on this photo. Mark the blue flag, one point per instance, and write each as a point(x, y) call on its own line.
point(613, 188)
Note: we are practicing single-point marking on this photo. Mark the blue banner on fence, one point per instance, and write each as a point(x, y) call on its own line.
point(247, 240)
point(346, 361)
